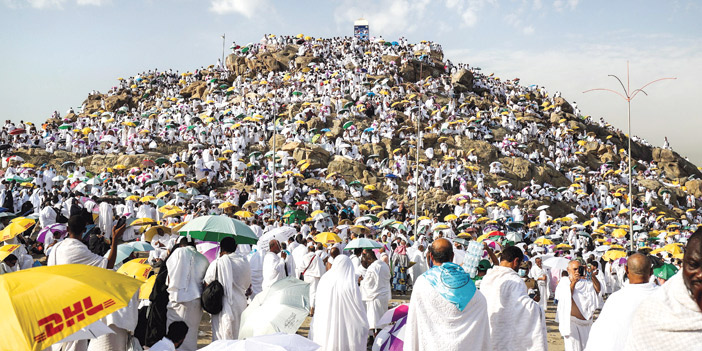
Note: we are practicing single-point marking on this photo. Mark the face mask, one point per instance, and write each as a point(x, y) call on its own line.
point(522, 272)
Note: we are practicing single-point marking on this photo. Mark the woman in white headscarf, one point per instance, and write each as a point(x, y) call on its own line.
point(339, 321)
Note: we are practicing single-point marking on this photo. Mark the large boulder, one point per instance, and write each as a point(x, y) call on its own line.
point(348, 168)
point(485, 151)
point(112, 103)
point(462, 80)
point(315, 154)
point(563, 104)
point(694, 187)
point(196, 90)
point(674, 165)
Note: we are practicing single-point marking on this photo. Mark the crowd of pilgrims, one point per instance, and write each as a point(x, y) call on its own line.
point(222, 134)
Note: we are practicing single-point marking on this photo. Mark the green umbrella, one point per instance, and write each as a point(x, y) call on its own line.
point(162, 160)
point(387, 222)
point(244, 50)
point(363, 243)
point(158, 203)
point(355, 182)
point(347, 125)
point(348, 104)
point(191, 127)
point(255, 154)
point(297, 93)
point(461, 241)
point(372, 217)
point(666, 271)
point(296, 216)
point(65, 126)
point(215, 228)
point(169, 182)
point(399, 226)
point(152, 181)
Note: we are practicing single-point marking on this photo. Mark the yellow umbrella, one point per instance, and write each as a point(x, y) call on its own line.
point(370, 187)
point(619, 233)
point(564, 246)
point(173, 213)
point(250, 204)
point(244, 214)
point(132, 198)
point(27, 165)
point(543, 241)
point(327, 238)
point(6, 250)
point(371, 202)
point(143, 221)
point(120, 167)
point(479, 211)
point(483, 237)
point(167, 208)
point(613, 255)
point(152, 230)
point(225, 205)
point(163, 194)
point(37, 314)
point(363, 207)
point(451, 217)
point(17, 226)
point(147, 198)
point(136, 268)
point(177, 227)
point(147, 287)
point(673, 249)
point(314, 192)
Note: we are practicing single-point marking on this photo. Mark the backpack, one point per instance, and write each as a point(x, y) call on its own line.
point(212, 296)
point(60, 218)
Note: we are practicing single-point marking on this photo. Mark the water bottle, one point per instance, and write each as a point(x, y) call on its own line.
point(474, 253)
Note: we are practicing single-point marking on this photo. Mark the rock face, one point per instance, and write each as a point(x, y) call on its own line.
point(315, 154)
point(563, 104)
point(674, 165)
point(350, 169)
point(196, 90)
point(112, 103)
point(462, 80)
point(485, 151)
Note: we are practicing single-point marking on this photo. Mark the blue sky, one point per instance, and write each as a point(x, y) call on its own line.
point(54, 52)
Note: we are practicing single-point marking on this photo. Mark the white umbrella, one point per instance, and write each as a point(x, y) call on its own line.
point(558, 263)
point(513, 236)
point(281, 308)
point(282, 234)
point(90, 331)
point(542, 207)
point(271, 342)
point(108, 139)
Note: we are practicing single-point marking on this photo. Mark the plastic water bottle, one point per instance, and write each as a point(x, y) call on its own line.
point(474, 253)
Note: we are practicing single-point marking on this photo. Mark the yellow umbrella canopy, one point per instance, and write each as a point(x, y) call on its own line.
point(543, 241)
point(162, 194)
point(225, 205)
point(136, 268)
point(16, 227)
point(327, 238)
point(153, 230)
point(6, 250)
point(143, 221)
point(619, 233)
point(451, 217)
point(147, 287)
point(244, 214)
point(34, 319)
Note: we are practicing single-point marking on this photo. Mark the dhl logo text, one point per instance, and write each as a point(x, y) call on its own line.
point(55, 322)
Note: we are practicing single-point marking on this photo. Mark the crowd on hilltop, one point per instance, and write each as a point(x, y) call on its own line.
point(350, 95)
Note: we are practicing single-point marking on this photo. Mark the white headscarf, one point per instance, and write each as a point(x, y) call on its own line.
point(340, 316)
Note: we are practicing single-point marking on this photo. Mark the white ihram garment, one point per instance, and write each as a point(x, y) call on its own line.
point(375, 291)
point(516, 320)
point(234, 273)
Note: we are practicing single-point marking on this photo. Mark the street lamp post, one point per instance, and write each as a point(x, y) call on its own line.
point(628, 96)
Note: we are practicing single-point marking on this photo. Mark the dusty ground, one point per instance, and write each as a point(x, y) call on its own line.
point(555, 341)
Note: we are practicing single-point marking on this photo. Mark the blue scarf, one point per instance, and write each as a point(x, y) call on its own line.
point(452, 282)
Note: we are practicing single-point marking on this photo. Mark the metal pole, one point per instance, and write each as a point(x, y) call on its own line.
point(628, 96)
point(416, 184)
point(223, 45)
point(275, 139)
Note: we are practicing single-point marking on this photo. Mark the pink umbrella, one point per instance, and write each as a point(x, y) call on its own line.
point(391, 337)
point(209, 249)
point(51, 230)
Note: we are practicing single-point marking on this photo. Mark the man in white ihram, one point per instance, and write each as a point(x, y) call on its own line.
point(538, 273)
point(375, 287)
point(610, 330)
point(577, 300)
point(516, 320)
point(186, 271)
point(446, 311)
point(233, 272)
point(273, 265)
point(312, 271)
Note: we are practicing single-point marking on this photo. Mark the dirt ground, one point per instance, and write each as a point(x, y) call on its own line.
point(555, 341)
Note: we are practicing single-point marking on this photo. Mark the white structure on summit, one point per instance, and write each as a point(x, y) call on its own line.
point(360, 29)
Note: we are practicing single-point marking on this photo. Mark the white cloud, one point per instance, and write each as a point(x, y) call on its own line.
point(528, 30)
point(246, 8)
point(45, 4)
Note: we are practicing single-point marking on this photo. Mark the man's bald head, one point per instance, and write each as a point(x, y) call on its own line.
point(274, 246)
point(441, 251)
point(638, 269)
